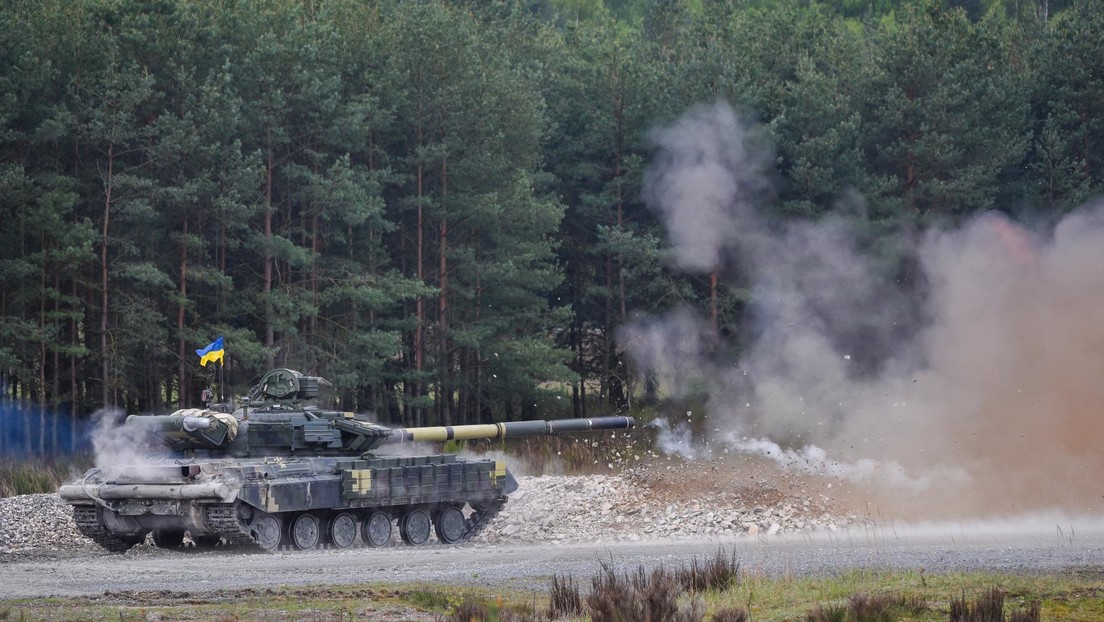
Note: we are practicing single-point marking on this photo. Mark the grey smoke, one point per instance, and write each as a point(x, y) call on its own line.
point(709, 170)
point(677, 439)
point(982, 388)
point(671, 348)
point(121, 449)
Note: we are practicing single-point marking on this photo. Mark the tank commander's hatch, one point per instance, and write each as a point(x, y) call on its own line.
point(288, 384)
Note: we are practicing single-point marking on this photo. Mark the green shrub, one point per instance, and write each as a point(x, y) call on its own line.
point(35, 475)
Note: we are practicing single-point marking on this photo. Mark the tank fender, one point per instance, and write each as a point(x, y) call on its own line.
point(293, 494)
point(510, 485)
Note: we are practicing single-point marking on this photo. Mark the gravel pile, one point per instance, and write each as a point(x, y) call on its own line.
point(39, 522)
point(659, 501)
point(553, 509)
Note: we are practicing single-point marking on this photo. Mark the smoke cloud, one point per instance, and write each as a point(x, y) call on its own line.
point(975, 388)
point(708, 173)
point(120, 449)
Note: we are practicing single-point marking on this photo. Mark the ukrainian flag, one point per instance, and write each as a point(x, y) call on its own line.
point(212, 352)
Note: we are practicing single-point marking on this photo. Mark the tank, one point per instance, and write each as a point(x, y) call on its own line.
point(279, 473)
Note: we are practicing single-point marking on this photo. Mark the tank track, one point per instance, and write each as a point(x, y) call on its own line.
point(223, 520)
point(88, 523)
point(479, 520)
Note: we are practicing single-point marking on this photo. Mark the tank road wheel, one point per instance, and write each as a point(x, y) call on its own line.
point(415, 527)
point(167, 538)
point(266, 531)
point(450, 525)
point(376, 529)
point(343, 530)
point(305, 532)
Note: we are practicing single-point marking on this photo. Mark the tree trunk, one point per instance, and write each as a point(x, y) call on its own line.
point(607, 336)
point(55, 379)
point(620, 173)
point(419, 330)
point(25, 405)
point(269, 334)
point(73, 389)
point(42, 400)
point(578, 390)
point(315, 252)
point(477, 362)
point(41, 392)
point(181, 399)
point(105, 361)
point(444, 383)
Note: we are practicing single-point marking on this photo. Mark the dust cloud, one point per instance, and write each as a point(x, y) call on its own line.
point(974, 387)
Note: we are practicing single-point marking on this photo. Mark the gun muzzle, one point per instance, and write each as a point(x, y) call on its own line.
point(191, 423)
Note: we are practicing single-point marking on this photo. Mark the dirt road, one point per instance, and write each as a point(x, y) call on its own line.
point(1025, 546)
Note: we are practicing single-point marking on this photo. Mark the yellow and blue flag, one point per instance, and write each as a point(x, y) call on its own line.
point(212, 352)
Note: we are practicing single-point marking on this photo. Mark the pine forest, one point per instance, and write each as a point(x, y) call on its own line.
point(455, 211)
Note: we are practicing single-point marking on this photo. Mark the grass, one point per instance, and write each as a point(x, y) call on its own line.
point(416, 603)
point(916, 596)
point(859, 596)
point(36, 475)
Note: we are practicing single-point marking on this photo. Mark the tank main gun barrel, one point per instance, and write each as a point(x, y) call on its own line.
point(511, 429)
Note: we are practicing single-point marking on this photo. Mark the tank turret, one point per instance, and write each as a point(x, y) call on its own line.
point(278, 472)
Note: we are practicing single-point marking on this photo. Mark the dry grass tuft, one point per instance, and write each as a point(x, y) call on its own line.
point(877, 608)
point(564, 598)
point(639, 595)
point(863, 607)
point(719, 572)
point(1033, 613)
point(827, 613)
point(989, 607)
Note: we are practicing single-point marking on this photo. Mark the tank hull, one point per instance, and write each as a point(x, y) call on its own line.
point(240, 501)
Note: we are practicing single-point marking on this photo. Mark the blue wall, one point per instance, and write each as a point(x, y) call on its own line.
point(21, 422)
